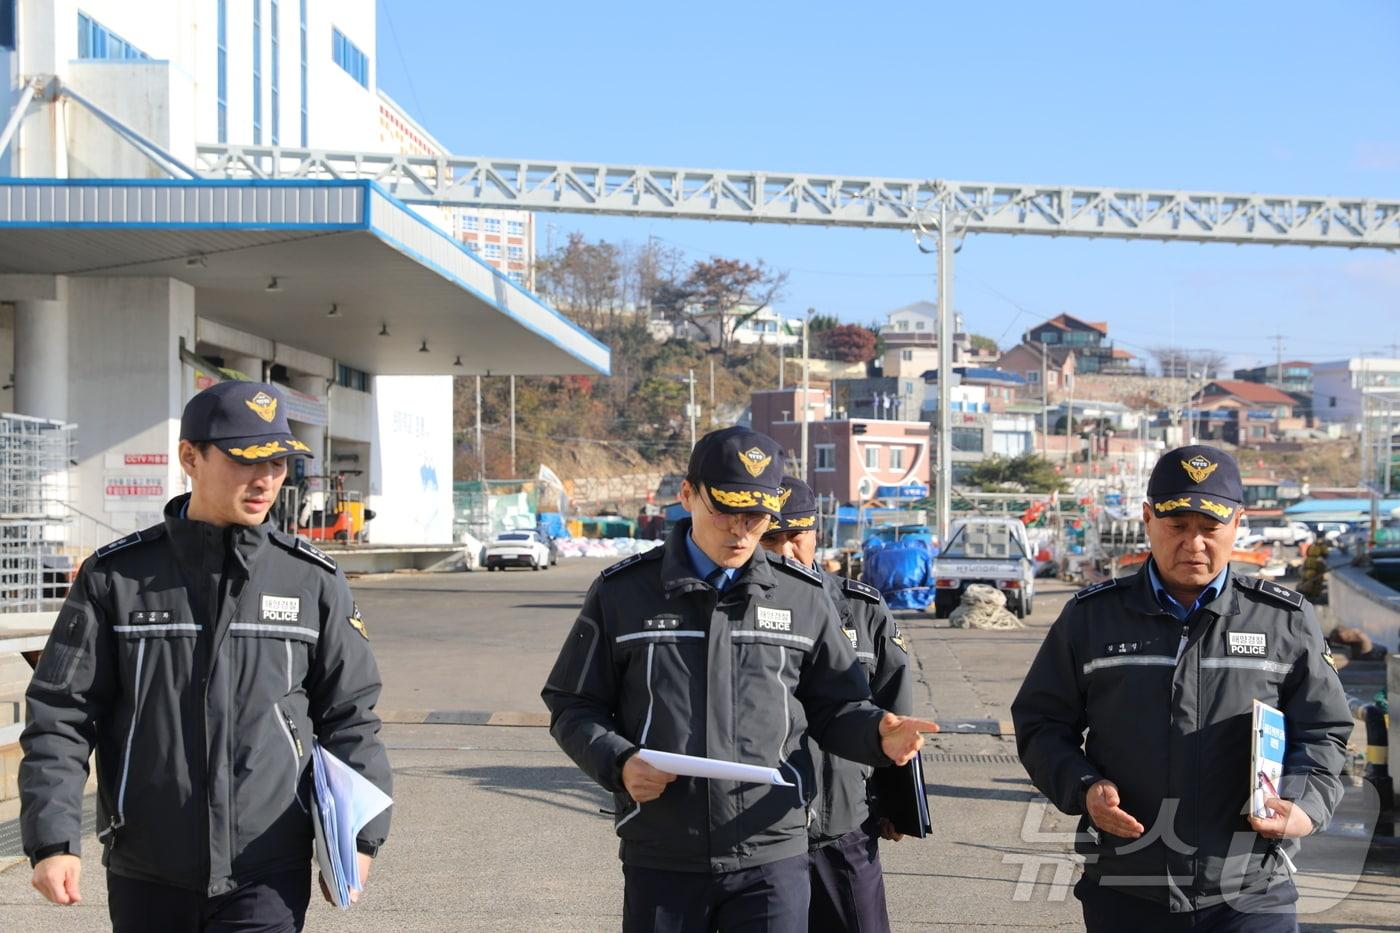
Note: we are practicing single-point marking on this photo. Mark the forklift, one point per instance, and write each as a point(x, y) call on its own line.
point(342, 515)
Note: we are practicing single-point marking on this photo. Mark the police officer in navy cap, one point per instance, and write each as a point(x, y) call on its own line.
point(848, 885)
point(198, 658)
point(709, 646)
point(1162, 669)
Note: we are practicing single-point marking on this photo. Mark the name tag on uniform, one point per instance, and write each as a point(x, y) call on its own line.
point(1246, 645)
point(280, 609)
point(1122, 647)
point(774, 620)
point(662, 624)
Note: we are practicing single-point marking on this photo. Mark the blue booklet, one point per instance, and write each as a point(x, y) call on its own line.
point(344, 803)
point(1266, 758)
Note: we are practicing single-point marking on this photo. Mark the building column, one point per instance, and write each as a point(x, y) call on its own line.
point(41, 358)
point(250, 366)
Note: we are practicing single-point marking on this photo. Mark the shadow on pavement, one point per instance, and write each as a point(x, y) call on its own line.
point(981, 793)
point(566, 788)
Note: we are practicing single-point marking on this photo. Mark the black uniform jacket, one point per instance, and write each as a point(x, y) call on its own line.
point(1168, 711)
point(659, 659)
point(199, 662)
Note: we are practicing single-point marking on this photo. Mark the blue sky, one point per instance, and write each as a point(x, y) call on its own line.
point(1274, 97)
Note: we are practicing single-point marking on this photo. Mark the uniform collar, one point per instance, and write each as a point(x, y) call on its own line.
point(203, 547)
point(1168, 602)
point(706, 567)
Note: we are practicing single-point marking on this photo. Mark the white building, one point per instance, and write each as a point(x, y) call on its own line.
point(764, 327)
point(1338, 387)
point(125, 285)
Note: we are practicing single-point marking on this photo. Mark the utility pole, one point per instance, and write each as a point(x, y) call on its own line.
point(945, 375)
point(1044, 399)
point(1069, 424)
point(806, 389)
point(480, 451)
point(782, 362)
point(512, 427)
point(1278, 361)
point(712, 388)
point(691, 408)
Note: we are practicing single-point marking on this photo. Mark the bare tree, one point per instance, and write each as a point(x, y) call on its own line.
point(730, 292)
point(1182, 362)
point(585, 279)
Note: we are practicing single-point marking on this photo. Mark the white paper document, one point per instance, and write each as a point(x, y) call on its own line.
point(692, 766)
point(345, 802)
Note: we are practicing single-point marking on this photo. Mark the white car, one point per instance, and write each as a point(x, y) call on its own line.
point(1292, 533)
point(518, 549)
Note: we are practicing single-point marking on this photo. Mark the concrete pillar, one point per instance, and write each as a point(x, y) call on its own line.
point(41, 358)
point(250, 366)
point(313, 436)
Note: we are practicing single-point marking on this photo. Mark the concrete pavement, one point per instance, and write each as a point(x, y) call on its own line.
point(495, 830)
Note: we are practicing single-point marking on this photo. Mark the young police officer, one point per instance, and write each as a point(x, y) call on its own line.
point(1162, 668)
point(199, 658)
point(848, 886)
point(709, 646)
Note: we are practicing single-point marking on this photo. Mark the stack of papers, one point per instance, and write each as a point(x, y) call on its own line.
point(345, 802)
point(1266, 757)
point(694, 766)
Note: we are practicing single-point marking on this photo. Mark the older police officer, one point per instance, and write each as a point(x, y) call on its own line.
point(708, 646)
point(1162, 668)
point(848, 885)
point(199, 657)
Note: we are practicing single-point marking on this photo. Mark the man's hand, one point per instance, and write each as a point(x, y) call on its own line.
point(900, 739)
point(56, 877)
point(888, 832)
point(643, 782)
point(366, 862)
point(1286, 820)
point(1102, 802)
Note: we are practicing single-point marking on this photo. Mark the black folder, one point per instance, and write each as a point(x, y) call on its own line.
point(902, 799)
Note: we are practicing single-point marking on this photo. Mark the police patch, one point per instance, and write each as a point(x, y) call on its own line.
point(279, 609)
point(773, 620)
point(851, 634)
point(1281, 593)
point(1246, 644)
point(857, 588)
point(357, 622)
point(1096, 588)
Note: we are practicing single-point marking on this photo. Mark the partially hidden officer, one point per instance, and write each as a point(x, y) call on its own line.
point(848, 885)
point(709, 646)
point(1162, 668)
point(198, 658)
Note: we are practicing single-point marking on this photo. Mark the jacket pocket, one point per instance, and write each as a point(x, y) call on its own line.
point(63, 652)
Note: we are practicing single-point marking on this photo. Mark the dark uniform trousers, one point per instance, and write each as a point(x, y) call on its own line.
point(272, 904)
point(848, 886)
point(770, 898)
point(1109, 910)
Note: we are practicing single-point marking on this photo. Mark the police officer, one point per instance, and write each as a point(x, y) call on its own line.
point(848, 886)
point(1162, 668)
point(709, 646)
point(198, 658)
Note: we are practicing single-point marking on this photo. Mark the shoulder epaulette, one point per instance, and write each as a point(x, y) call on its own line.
point(1271, 589)
point(1097, 588)
point(305, 549)
point(789, 564)
point(863, 590)
point(126, 541)
point(634, 559)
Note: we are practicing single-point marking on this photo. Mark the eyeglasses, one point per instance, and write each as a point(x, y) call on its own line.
point(746, 522)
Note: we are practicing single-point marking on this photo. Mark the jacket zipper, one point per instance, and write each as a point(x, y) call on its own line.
point(120, 820)
point(289, 729)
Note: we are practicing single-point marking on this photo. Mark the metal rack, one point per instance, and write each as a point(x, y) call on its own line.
point(35, 491)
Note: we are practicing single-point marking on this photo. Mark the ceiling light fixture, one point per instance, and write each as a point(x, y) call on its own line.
point(383, 330)
point(334, 311)
point(196, 260)
point(458, 360)
point(424, 347)
point(273, 285)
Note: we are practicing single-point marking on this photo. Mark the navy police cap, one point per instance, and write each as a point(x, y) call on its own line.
point(246, 420)
point(741, 469)
point(1196, 479)
point(799, 508)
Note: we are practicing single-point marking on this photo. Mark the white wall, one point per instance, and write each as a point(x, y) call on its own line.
point(411, 461)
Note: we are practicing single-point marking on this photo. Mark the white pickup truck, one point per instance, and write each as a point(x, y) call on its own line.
point(994, 551)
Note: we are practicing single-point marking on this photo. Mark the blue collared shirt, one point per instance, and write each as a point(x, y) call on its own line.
point(1169, 603)
point(704, 566)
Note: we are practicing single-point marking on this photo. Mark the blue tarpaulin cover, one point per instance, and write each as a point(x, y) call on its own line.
point(901, 570)
point(552, 524)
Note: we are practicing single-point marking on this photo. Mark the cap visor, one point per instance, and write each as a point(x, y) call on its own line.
point(1222, 510)
point(736, 499)
point(262, 447)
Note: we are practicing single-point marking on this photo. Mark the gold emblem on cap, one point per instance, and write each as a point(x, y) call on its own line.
point(755, 461)
point(1171, 505)
point(1219, 510)
point(1198, 468)
point(807, 522)
point(784, 493)
point(263, 405)
point(738, 499)
point(261, 450)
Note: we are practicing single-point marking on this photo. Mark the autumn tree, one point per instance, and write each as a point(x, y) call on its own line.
point(849, 343)
point(584, 279)
point(727, 293)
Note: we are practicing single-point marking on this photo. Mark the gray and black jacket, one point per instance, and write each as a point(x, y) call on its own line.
point(1168, 709)
point(199, 662)
point(842, 803)
point(658, 659)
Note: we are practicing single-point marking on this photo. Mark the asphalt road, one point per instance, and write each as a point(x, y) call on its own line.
point(495, 830)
